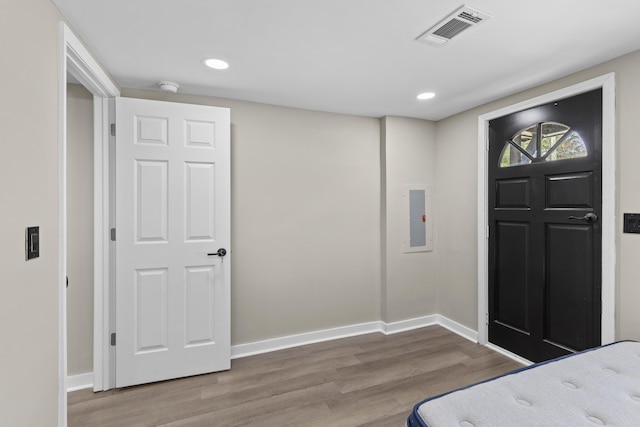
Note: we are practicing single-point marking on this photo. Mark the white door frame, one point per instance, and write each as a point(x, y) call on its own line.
point(75, 59)
point(607, 83)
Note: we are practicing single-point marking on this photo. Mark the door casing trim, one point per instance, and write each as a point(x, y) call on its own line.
point(607, 83)
point(75, 59)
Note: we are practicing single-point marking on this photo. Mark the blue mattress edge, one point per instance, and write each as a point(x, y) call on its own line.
point(415, 420)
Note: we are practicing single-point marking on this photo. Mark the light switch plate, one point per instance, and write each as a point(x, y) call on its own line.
point(32, 243)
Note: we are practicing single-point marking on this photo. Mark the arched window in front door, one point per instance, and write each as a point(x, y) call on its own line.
point(542, 142)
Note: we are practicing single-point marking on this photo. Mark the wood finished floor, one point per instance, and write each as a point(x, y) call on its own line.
point(368, 380)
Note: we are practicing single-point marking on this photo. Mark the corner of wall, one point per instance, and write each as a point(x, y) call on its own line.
point(383, 219)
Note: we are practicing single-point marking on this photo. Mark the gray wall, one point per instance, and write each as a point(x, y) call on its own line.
point(288, 165)
point(305, 221)
point(457, 202)
point(305, 218)
point(408, 157)
point(29, 197)
point(280, 152)
point(79, 230)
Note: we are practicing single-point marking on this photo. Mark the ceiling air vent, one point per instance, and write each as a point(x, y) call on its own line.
point(460, 20)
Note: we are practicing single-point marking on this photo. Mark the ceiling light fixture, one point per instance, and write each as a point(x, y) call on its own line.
point(425, 95)
point(216, 64)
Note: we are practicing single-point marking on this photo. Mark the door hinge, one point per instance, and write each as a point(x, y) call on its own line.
point(487, 319)
point(113, 338)
point(113, 234)
point(113, 129)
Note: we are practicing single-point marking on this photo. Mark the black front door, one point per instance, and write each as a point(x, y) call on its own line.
point(545, 199)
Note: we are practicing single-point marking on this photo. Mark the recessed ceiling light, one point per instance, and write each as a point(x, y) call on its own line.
point(216, 64)
point(426, 95)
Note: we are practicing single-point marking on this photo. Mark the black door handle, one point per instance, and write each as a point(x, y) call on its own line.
point(590, 217)
point(221, 253)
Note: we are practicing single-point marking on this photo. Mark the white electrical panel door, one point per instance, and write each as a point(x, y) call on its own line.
point(418, 221)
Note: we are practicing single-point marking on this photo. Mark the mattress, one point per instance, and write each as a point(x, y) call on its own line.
point(599, 386)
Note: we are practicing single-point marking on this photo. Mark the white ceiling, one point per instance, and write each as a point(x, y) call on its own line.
point(351, 56)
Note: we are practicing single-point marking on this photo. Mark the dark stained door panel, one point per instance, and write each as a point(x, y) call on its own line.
point(545, 204)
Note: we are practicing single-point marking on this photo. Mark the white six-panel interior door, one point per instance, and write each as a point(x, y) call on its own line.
point(172, 213)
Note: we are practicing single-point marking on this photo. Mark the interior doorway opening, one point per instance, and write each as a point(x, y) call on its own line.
point(80, 196)
point(76, 61)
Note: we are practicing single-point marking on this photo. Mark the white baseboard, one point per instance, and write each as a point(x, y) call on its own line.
point(457, 328)
point(410, 324)
point(266, 346)
point(281, 343)
point(79, 382)
point(510, 355)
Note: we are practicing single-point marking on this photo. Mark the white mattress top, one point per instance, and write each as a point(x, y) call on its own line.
point(595, 388)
